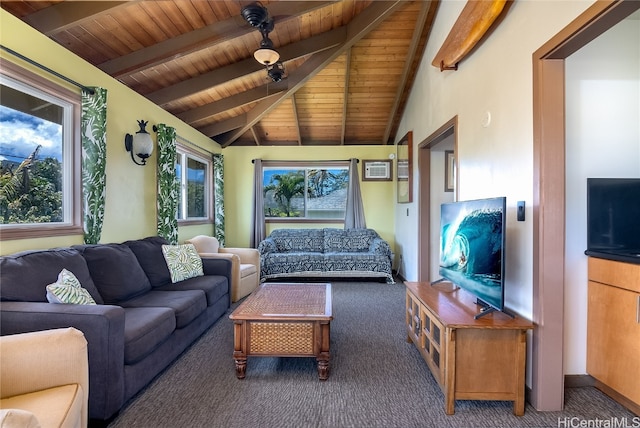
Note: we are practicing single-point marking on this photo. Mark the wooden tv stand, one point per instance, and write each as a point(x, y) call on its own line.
point(471, 359)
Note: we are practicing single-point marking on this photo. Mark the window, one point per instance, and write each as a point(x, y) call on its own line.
point(39, 156)
point(194, 173)
point(312, 191)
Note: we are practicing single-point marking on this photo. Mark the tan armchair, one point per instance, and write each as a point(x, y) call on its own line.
point(245, 264)
point(44, 379)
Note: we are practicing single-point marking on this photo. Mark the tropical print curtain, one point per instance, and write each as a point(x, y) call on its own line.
point(218, 197)
point(93, 130)
point(168, 184)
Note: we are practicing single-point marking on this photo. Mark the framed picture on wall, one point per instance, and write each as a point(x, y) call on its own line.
point(449, 171)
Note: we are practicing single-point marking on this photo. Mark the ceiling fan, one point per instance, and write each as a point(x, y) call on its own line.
point(258, 16)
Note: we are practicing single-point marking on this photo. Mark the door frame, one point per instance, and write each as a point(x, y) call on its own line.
point(547, 388)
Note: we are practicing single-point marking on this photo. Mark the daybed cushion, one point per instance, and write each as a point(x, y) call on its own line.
point(116, 272)
point(144, 330)
point(187, 305)
point(24, 276)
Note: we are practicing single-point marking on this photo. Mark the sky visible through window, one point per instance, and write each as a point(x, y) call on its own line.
point(21, 133)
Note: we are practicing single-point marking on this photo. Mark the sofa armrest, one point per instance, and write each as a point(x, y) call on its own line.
point(216, 266)
point(103, 328)
point(267, 245)
point(380, 246)
point(36, 361)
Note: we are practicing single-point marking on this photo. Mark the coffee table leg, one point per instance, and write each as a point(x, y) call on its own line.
point(239, 356)
point(323, 366)
point(323, 356)
point(241, 365)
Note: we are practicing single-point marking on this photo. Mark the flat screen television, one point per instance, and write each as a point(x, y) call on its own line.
point(472, 240)
point(613, 218)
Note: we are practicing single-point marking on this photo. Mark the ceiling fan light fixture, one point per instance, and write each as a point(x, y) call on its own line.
point(276, 71)
point(266, 56)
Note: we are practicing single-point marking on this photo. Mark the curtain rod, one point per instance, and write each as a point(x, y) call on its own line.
point(319, 160)
point(47, 69)
point(191, 143)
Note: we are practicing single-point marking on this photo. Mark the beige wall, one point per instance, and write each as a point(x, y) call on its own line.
point(130, 210)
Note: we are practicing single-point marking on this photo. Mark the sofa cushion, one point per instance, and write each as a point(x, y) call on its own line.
point(115, 271)
point(213, 286)
point(187, 305)
point(149, 254)
point(348, 240)
point(67, 289)
point(298, 240)
point(144, 330)
point(24, 276)
point(183, 261)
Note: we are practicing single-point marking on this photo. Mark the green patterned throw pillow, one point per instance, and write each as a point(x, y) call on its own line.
point(67, 289)
point(183, 261)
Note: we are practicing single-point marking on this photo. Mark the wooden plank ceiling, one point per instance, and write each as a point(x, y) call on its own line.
point(349, 64)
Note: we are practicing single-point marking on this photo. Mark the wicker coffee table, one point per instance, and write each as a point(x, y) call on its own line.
point(284, 320)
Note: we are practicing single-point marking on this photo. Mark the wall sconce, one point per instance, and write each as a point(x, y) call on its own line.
point(140, 144)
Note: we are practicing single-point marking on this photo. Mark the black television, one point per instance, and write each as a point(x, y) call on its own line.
point(472, 241)
point(613, 219)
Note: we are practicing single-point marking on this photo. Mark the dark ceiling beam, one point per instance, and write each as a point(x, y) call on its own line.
point(421, 22)
point(234, 101)
point(359, 27)
point(234, 122)
point(250, 65)
point(64, 15)
point(199, 39)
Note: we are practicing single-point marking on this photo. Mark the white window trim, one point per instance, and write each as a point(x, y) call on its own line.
point(185, 152)
point(72, 196)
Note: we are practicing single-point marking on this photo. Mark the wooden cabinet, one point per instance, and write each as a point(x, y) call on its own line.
point(613, 327)
point(471, 359)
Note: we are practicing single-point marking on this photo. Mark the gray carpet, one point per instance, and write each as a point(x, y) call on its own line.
point(376, 379)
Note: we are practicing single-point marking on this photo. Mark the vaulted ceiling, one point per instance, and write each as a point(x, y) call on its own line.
point(349, 64)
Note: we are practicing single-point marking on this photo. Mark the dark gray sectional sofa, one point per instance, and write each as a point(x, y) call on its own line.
point(141, 322)
point(328, 252)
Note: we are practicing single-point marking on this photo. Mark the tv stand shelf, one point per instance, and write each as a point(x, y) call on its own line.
point(471, 359)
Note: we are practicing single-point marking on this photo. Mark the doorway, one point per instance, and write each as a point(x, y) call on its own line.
point(432, 191)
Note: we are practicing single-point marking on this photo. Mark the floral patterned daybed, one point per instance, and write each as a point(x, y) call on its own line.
point(355, 253)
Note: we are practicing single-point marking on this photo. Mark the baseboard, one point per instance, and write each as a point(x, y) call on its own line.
point(581, 381)
point(578, 381)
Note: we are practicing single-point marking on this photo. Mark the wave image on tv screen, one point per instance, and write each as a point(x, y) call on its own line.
point(471, 247)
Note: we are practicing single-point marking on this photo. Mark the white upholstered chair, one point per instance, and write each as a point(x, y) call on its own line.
point(245, 264)
point(44, 379)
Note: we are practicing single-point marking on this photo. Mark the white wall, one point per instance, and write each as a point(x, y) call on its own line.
point(602, 140)
point(438, 197)
point(496, 160)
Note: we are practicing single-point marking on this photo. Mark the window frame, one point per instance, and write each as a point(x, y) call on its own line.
point(303, 165)
point(72, 196)
point(185, 152)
